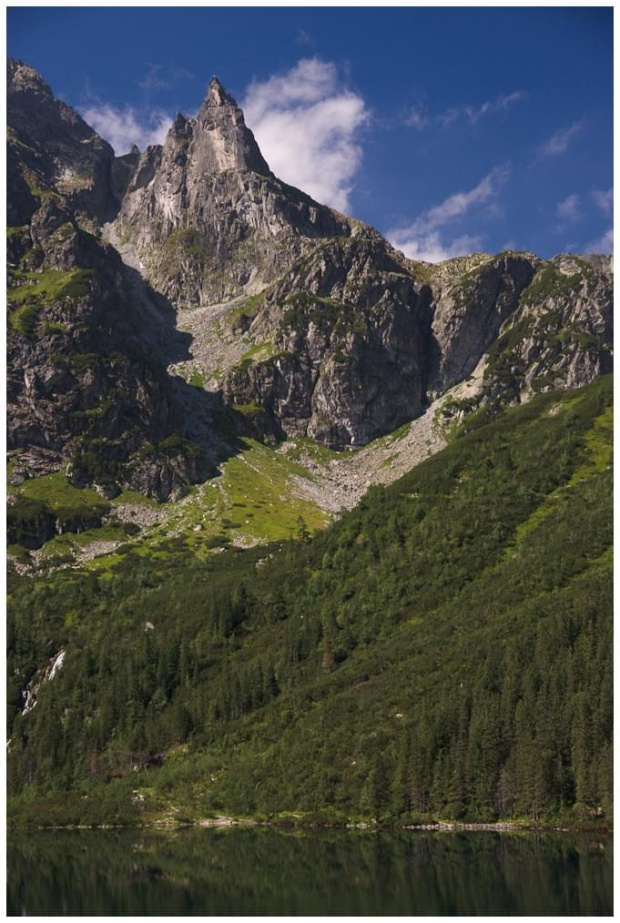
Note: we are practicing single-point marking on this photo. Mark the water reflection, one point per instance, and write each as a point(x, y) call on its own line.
point(272, 872)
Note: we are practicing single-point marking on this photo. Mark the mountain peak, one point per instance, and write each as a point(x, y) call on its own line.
point(222, 139)
point(21, 77)
point(218, 95)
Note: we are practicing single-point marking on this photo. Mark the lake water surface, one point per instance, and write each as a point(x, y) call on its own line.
point(273, 872)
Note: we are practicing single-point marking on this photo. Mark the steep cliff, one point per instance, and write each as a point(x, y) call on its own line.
point(83, 389)
point(234, 286)
point(206, 217)
point(355, 339)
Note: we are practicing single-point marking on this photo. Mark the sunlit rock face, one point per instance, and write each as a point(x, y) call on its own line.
point(323, 328)
point(207, 218)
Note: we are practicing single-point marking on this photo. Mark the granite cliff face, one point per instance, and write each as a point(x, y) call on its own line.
point(205, 216)
point(84, 393)
point(145, 290)
point(344, 334)
point(358, 340)
point(51, 150)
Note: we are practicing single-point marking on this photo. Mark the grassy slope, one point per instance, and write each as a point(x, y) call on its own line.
point(254, 501)
point(443, 651)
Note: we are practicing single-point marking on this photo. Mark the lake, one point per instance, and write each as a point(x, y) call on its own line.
point(328, 872)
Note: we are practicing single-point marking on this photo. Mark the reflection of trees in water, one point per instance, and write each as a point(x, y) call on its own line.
point(245, 871)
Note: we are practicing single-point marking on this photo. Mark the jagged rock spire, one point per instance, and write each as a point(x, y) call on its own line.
point(222, 141)
point(218, 95)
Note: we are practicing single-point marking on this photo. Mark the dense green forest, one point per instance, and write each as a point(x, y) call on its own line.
point(443, 651)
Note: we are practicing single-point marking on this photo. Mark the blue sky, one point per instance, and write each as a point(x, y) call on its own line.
point(450, 130)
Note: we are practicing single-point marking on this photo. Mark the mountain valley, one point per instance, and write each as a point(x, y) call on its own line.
point(318, 527)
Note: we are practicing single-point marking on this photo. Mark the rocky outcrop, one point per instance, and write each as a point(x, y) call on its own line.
point(330, 332)
point(471, 304)
point(355, 339)
point(560, 336)
point(206, 217)
point(83, 390)
point(53, 152)
point(346, 329)
point(123, 168)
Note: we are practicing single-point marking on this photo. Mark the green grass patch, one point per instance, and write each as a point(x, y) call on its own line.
point(74, 508)
point(248, 410)
point(56, 491)
point(259, 352)
point(51, 286)
point(253, 498)
point(303, 446)
point(72, 543)
point(197, 379)
point(24, 319)
point(249, 308)
point(43, 288)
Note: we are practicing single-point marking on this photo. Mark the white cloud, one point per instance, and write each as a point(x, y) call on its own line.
point(425, 238)
point(432, 248)
point(125, 126)
point(603, 244)
point(417, 116)
point(569, 210)
point(307, 127)
point(604, 199)
point(559, 140)
point(473, 114)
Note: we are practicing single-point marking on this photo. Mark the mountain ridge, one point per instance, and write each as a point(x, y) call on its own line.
point(256, 311)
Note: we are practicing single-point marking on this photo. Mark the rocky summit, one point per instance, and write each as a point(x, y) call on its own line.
point(163, 304)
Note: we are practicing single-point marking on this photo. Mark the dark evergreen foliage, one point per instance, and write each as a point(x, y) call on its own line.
point(443, 651)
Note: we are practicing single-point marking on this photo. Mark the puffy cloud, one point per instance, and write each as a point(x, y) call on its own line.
point(425, 238)
point(307, 126)
point(433, 248)
point(559, 140)
point(124, 126)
